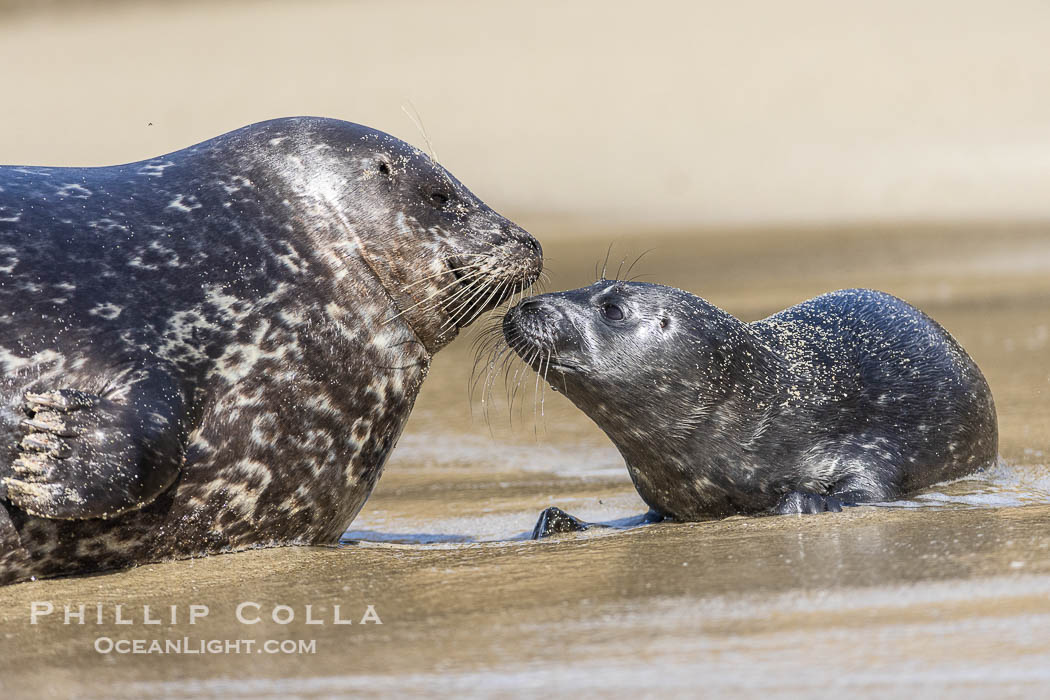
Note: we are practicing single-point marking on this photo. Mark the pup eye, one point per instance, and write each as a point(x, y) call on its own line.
point(612, 312)
point(383, 167)
point(439, 198)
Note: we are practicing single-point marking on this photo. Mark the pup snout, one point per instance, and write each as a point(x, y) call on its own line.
point(533, 318)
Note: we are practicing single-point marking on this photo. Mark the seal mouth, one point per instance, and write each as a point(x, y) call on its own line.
point(563, 367)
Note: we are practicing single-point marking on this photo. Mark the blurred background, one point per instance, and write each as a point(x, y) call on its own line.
point(604, 116)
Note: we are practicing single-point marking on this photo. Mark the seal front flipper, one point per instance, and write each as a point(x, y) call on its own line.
point(799, 502)
point(555, 521)
point(85, 455)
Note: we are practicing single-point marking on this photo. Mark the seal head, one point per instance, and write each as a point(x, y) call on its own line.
point(442, 255)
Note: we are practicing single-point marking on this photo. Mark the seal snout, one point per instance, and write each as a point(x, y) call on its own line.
point(517, 235)
point(533, 329)
point(532, 245)
point(493, 265)
point(527, 256)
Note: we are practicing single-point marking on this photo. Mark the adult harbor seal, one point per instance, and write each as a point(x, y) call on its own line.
point(850, 397)
point(218, 348)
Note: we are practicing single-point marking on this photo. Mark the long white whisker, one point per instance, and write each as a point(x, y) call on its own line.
point(464, 309)
point(455, 313)
point(432, 295)
point(445, 271)
point(478, 310)
point(535, 399)
point(545, 371)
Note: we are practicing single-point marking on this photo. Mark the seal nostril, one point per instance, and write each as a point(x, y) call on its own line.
point(526, 239)
point(530, 306)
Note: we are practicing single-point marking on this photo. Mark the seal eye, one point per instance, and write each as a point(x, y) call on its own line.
point(439, 198)
point(383, 168)
point(612, 312)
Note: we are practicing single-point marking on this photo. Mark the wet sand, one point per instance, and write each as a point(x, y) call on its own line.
point(946, 592)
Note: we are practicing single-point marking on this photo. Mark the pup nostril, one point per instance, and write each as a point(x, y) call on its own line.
point(530, 306)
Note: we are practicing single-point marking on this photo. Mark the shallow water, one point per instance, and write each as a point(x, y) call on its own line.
point(946, 591)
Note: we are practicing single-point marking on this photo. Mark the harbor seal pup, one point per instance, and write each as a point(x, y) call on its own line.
point(218, 348)
point(854, 396)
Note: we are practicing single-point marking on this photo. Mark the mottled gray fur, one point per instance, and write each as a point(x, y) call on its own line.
point(217, 349)
point(853, 396)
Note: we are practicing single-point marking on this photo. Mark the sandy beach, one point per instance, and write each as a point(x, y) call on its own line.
point(946, 593)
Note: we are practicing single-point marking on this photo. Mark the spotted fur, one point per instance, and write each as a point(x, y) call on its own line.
point(217, 349)
point(853, 396)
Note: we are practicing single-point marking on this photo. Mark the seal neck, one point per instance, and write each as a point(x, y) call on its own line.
point(705, 426)
point(429, 322)
point(395, 266)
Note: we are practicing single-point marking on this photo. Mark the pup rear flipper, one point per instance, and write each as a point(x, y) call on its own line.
point(799, 502)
